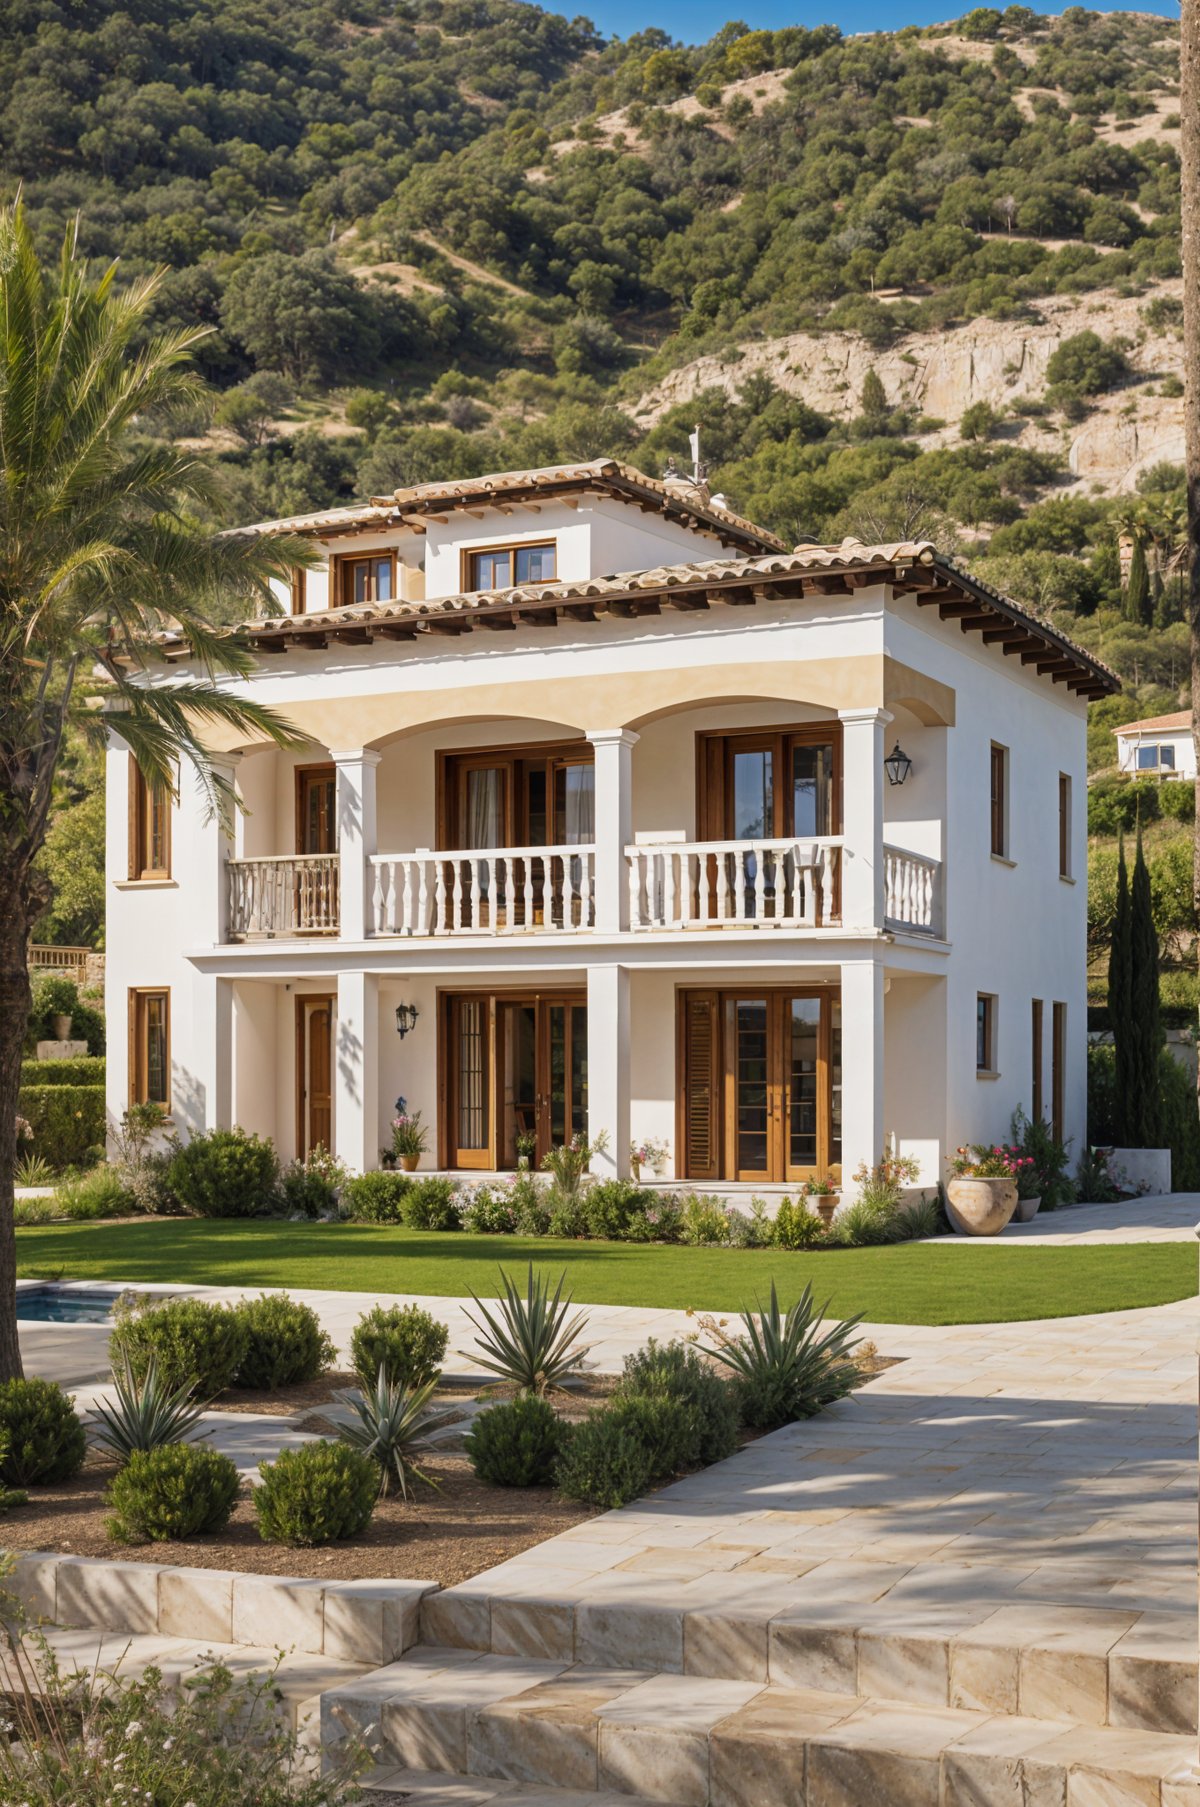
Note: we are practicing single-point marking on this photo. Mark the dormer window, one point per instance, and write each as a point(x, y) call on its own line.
point(500, 567)
point(370, 579)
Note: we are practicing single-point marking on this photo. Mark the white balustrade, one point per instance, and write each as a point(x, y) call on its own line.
point(493, 891)
point(701, 884)
point(290, 894)
point(912, 890)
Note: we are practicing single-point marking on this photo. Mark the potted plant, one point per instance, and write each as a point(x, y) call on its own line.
point(526, 1149)
point(62, 1026)
point(823, 1193)
point(408, 1137)
point(646, 1154)
point(1029, 1191)
point(982, 1194)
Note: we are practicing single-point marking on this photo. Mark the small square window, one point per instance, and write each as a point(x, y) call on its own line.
point(502, 566)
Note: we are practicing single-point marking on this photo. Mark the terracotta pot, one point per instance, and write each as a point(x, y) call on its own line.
point(826, 1204)
point(62, 1028)
point(409, 1162)
point(980, 1207)
point(1027, 1209)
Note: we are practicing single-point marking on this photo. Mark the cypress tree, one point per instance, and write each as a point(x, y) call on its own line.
point(1119, 998)
point(1137, 593)
point(873, 400)
point(1144, 1108)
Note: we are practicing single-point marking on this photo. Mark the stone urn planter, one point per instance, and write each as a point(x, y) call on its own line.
point(980, 1207)
point(62, 1028)
point(825, 1205)
point(1027, 1209)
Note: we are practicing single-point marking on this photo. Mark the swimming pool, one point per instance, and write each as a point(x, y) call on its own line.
point(58, 1305)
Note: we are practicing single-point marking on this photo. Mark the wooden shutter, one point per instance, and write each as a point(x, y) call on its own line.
point(701, 1146)
point(134, 863)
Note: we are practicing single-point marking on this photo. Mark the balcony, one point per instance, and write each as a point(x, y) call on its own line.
point(912, 891)
point(747, 884)
point(505, 891)
point(282, 896)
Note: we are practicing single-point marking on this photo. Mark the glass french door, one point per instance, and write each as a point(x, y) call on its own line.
point(514, 1069)
point(772, 786)
point(774, 1058)
point(527, 800)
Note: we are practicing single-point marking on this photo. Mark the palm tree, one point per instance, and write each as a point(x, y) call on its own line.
point(1189, 154)
point(99, 552)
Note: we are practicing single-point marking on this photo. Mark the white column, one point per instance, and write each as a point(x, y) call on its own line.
point(614, 824)
point(863, 780)
point(202, 1096)
point(608, 1068)
point(356, 1071)
point(862, 1066)
point(201, 844)
point(356, 828)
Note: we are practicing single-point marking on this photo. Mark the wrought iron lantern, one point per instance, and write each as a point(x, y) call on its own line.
point(897, 765)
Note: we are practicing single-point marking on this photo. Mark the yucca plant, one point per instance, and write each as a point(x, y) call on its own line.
point(389, 1422)
point(530, 1340)
point(33, 1170)
point(146, 1414)
point(787, 1366)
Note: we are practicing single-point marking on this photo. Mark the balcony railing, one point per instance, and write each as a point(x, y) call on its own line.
point(912, 891)
point(291, 894)
point(503, 891)
point(704, 884)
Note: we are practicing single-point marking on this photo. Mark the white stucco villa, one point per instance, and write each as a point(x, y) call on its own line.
point(626, 853)
point(1161, 746)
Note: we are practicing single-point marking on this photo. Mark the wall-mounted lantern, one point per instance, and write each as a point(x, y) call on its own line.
point(406, 1019)
point(897, 765)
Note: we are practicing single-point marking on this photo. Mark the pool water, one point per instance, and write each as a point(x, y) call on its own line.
point(47, 1305)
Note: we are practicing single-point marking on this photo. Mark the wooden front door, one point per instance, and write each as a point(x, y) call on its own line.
point(513, 1066)
point(314, 1070)
point(316, 809)
point(760, 1094)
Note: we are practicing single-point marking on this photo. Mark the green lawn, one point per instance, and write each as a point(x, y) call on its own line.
point(913, 1284)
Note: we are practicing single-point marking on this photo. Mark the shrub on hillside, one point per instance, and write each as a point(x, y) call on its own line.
point(42, 1434)
point(1117, 805)
point(405, 1341)
point(191, 1341)
point(225, 1173)
point(518, 1443)
point(317, 1494)
point(375, 1197)
point(285, 1343)
point(174, 1492)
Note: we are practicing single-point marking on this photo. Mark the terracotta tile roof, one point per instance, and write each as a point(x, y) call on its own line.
point(676, 498)
point(912, 565)
point(1182, 718)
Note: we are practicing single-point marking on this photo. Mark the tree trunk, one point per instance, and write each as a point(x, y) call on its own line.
point(1189, 151)
point(14, 1020)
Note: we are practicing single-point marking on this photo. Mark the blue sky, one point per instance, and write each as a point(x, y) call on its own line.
point(694, 23)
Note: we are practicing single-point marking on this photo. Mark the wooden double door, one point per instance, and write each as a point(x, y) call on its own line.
point(513, 1065)
point(761, 1086)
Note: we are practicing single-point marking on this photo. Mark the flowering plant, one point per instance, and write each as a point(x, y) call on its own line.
point(24, 1130)
point(822, 1185)
point(648, 1154)
point(408, 1132)
point(976, 1161)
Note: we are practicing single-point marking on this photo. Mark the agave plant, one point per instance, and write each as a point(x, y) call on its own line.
point(788, 1367)
point(145, 1414)
point(33, 1170)
point(530, 1341)
point(389, 1422)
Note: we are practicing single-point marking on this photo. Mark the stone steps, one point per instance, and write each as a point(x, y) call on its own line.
point(1093, 1666)
point(704, 1742)
point(437, 1788)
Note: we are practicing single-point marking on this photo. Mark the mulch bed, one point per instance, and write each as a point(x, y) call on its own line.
point(445, 1534)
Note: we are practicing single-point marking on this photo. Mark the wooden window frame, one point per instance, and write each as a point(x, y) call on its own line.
point(485, 1159)
point(341, 566)
point(468, 555)
point(1058, 1064)
point(998, 801)
point(988, 1068)
point(304, 774)
point(1064, 825)
point(298, 589)
point(138, 1060)
point(1037, 1025)
point(451, 765)
point(722, 1000)
point(713, 758)
point(140, 832)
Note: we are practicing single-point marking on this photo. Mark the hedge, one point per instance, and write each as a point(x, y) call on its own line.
point(66, 1120)
point(87, 1071)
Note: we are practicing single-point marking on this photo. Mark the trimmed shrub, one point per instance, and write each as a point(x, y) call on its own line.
point(517, 1444)
point(866, 1222)
point(87, 1070)
point(490, 1212)
point(679, 1372)
point(100, 1193)
point(531, 1199)
point(43, 1433)
point(225, 1173)
point(796, 1227)
point(432, 1204)
point(284, 1343)
point(67, 1121)
point(375, 1197)
point(568, 1214)
point(305, 1192)
point(616, 1211)
point(54, 995)
point(703, 1222)
point(192, 1342)
point(405, 1341)
point(317, 1494)
point(620, 1452)
point(176, 1491)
